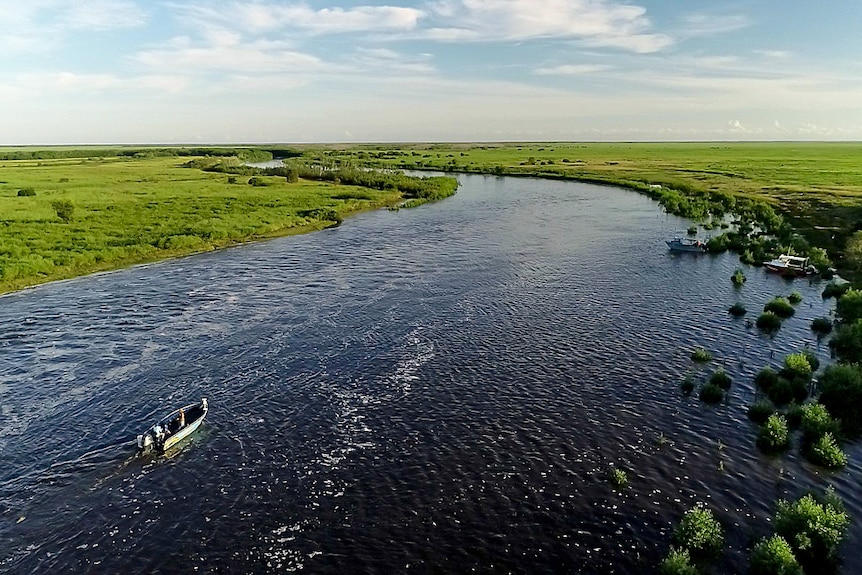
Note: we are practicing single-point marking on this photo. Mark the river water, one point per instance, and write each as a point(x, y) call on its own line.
point(443, 389)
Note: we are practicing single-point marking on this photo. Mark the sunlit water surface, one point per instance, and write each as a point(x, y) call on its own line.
point(443, 389)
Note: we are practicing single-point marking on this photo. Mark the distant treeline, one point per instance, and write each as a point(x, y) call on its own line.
point(243, 154)
point(411, 187)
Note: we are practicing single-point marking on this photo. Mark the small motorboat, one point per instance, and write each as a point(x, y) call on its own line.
point(792, 266)
point(686, 245)
point(174, 427)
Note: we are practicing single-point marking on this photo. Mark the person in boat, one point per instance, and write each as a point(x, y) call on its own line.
point(181, 419)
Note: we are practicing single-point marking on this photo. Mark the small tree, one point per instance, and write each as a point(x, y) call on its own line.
point(699, 533)
point(774, 556)
point(813, 528)
point(774, 435)
point(64, 209)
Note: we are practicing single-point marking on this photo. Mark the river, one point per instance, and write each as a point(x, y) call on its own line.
point(442, 389)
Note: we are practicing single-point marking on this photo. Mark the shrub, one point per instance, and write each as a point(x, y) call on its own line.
point(816, 420)
point(834, 289)
point(794, 416)
point(812, 359)
point(766, 378)
point(619, 478)
point(826, 452)
point(813, 528)
point(257, 182)
point(774, 435)
point(794, 298)
point(841, 394)
point(768, 321)
point(781, 392)
point(231, 179)
point(737, 310)
point(699, 533)
point(720, 379)
point(821, 326)
point(797, 366)
point(759, 412)
point(738, 278)
point(677, 562)
point(780, 307)
point(700, 355)
point(64, 209)
point(847, 342)
point(711, 393)
point(774, 556)
point(687, 384)
point(848, 308)
point(24, 192)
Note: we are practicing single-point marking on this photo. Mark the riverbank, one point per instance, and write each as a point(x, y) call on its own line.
point(815, 186)
point(64, 217)
point(139, 204)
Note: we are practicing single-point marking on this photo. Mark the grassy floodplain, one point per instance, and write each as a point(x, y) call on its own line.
point(816, 187)
point(130, 210)
point(133, 205)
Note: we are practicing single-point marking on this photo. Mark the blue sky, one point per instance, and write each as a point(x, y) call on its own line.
point(127, 71)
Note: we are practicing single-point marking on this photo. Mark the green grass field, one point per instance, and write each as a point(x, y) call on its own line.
point(129, 211)
point(132, 208)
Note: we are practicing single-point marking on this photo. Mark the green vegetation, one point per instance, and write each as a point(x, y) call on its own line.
point(794, 297)
point(699, 533)
point(687, 384)
point(737, 310)
point(766, 378)
point(768, 321)
point(774, 435)
point(816, 420)
point(767, 186)
point(738, 278)
point(26, 192)
point(700, 355)
point(759, 412)
point(99, 212)
point(711, 393)
point(64, 210)
point(774, 556)
point(847, 342)
point(841, 393)
point(720, 379)
point(821, 326)
point(848, 308)
point(797, 366)
point(826, 452)
point(780, 307)
point(618, 478)
point(677, 562)
point(834, 289)
point(813, 528)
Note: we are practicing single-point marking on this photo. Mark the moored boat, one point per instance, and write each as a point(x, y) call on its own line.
point(686, 245)
point(174, 427)
point(793, 266)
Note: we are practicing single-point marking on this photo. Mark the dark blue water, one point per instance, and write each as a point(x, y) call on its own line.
point(443, 389)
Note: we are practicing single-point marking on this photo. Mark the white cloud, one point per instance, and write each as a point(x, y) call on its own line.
point(262, 17)
point(572, 70)
point(708, 24)
point(225, 52)
point(43, 25)
point(600, 23)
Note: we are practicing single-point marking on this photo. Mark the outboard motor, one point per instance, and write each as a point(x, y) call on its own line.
point(145, 440)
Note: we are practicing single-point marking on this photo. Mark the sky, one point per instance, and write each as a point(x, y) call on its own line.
point(272, 71)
